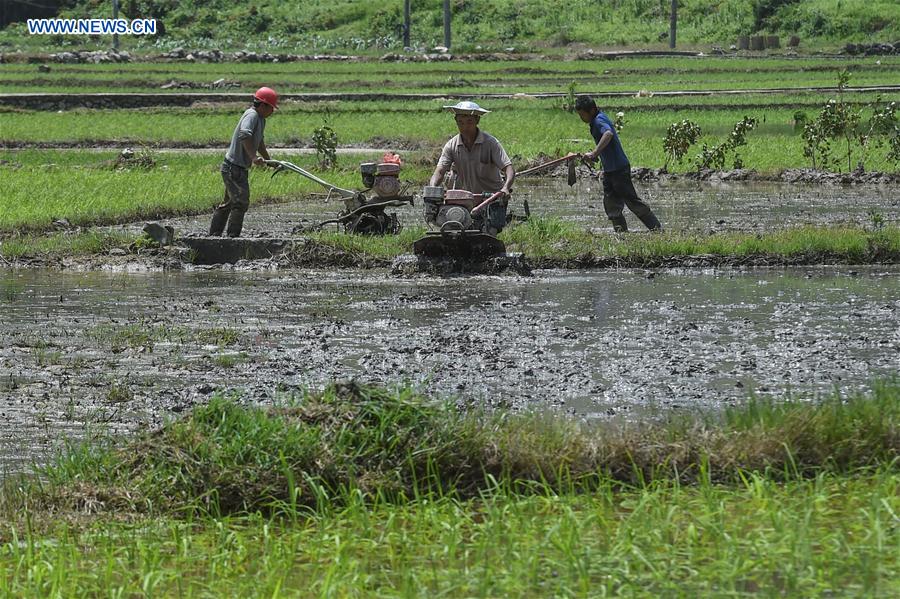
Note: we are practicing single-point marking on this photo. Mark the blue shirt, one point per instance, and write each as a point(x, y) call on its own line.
point(613, 156)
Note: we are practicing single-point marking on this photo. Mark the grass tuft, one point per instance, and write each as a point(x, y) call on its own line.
point(553, 242)
point(325, 450)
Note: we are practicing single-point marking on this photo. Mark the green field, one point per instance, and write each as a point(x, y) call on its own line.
point(654, 74)
point(360, 123)
point(420, 125)
point(88, 189)
point(359, 491)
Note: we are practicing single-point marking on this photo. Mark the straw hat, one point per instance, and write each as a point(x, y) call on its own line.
point(467, 107)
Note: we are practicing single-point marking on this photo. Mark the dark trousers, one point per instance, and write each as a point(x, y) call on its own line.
point(493, 219)
point(618, 192)
point(235, 204)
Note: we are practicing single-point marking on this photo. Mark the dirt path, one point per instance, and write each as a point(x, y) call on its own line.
point(217, 149)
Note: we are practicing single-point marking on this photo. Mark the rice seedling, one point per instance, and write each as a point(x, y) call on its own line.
point(648, 73)
point(773, 146)
point(360, 490)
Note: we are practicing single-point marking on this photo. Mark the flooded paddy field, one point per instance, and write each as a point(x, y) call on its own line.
point(125, 351)
point(700, 207)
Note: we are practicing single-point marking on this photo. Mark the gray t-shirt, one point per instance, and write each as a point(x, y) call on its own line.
point(477, 171)
point(251, 125)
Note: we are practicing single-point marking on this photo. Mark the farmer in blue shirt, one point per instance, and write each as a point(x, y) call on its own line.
point(618, 190)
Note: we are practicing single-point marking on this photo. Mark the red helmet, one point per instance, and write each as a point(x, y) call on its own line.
point(267, 95)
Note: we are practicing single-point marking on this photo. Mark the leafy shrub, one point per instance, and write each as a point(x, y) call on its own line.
point(679, 138)
point(839, 120)
point(714, 157)
point(568, 102)
point(619, 122)
point(325, 140)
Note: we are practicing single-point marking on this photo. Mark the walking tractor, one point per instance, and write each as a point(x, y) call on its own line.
point(363, 215)
point(459, 216)
point(461, 219)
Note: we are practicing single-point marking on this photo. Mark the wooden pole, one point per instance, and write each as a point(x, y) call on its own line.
point(406, 43)
point(673, 24)
point(115, 16)
point(447, 24)
point(540, 167)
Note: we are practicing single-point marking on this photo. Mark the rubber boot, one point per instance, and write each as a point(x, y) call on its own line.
point(219, 218)
point(620, 225)
point(235, 223)
point(651, 222)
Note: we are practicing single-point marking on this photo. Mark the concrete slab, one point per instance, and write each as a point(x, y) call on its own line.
point(226, 250)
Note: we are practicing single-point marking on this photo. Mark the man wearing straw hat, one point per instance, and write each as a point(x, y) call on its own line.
point(477, 159)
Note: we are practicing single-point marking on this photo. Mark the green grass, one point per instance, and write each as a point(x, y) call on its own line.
point(61, 244)
point(364, 491)
point(146, 335)
point(561, 241)
point(491, 24)
point(361, 247)
point(554, 242)
point(229, 360)
point(553, 238)
point(319, 450)
point(802, 539)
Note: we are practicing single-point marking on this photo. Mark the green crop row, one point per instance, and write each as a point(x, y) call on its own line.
point(655, 74)
point(774, 144)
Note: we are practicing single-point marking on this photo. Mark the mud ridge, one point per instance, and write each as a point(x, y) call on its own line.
point(806, 176)
point(309, 253)
point(792, 175)
point(117, 100)
point(711, 260)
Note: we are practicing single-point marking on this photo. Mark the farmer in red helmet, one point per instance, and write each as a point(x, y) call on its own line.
point(247, 148)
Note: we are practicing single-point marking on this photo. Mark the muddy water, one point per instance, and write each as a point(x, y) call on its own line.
point(681, 206)
point(707, 207)
point(127, 350)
